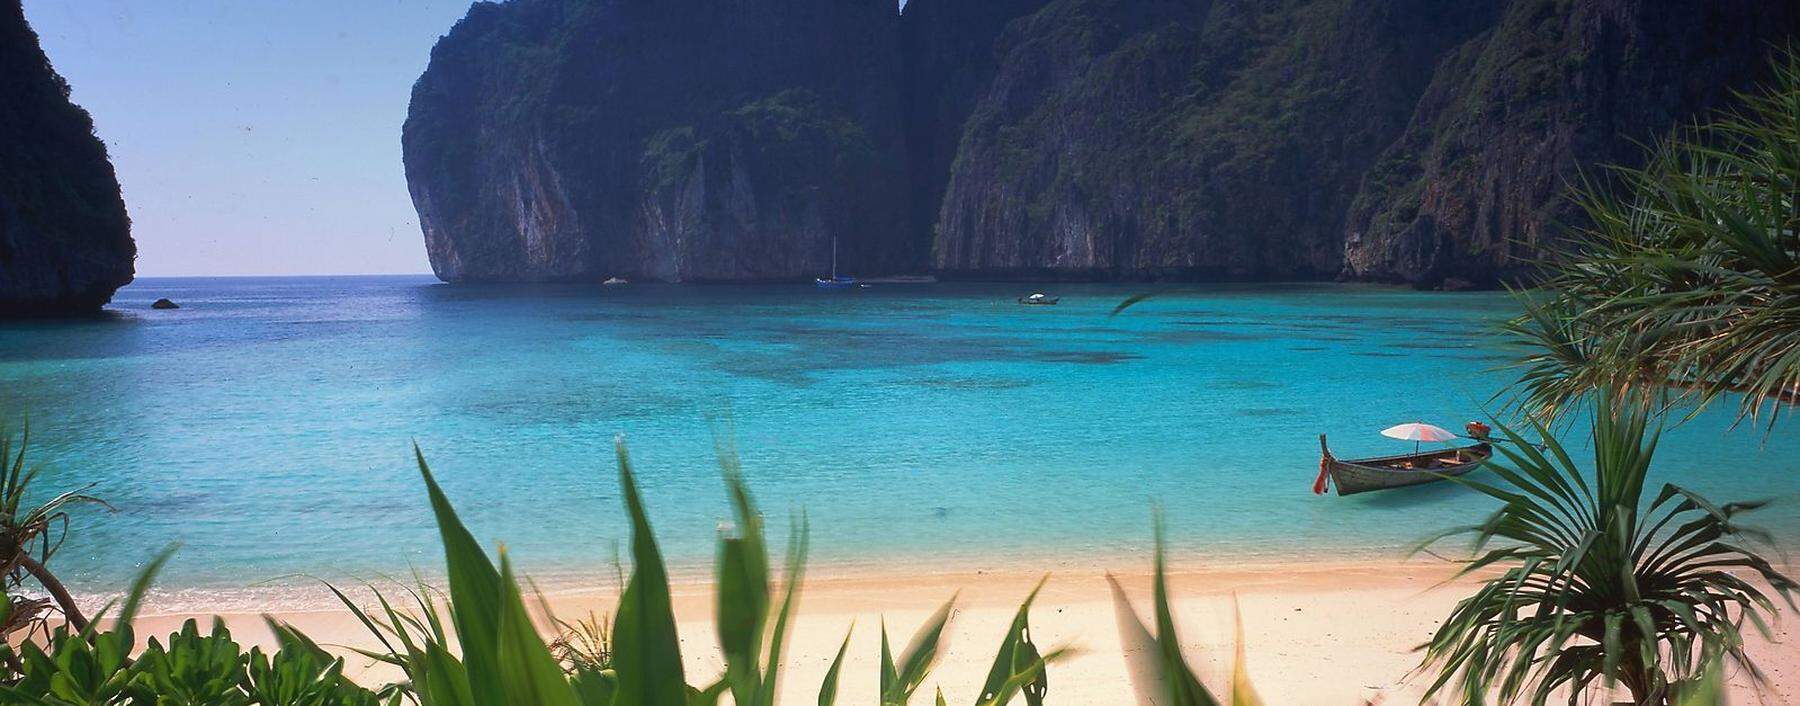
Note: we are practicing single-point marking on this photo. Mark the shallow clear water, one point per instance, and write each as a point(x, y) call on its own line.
point(267, 424)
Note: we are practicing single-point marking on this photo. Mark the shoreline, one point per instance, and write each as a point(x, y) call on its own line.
point(300, 593)
point(1348, 627)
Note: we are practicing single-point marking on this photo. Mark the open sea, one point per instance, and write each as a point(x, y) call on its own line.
point(267, 426)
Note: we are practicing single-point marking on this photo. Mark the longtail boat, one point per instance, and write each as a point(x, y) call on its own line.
point(1360, 475)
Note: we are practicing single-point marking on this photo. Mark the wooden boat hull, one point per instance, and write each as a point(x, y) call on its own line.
point(1352, 476)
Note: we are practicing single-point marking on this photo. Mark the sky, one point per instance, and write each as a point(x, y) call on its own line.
point(253, 137)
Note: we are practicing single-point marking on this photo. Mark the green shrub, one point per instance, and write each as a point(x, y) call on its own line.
point(94, 667)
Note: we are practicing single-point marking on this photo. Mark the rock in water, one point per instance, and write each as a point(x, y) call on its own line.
point(164, 304)
point(678, 140)
point(65, 241)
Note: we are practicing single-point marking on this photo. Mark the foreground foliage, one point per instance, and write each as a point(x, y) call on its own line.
point(1604, 582)
point(1160, 674)
point(503, 660)
point(1686, 283)
point(31, 532)
point(98, 667)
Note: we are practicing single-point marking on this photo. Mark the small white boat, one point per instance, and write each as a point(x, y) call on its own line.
point(1039, 299)
point(611, 281)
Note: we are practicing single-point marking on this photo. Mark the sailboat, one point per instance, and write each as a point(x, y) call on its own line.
point(837, 281)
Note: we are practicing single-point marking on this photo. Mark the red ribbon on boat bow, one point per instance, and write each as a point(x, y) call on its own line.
point(1324, 470)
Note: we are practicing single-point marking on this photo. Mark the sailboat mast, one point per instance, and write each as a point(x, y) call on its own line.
point(834, 257)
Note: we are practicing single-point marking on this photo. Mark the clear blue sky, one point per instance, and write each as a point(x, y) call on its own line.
point(253, 136)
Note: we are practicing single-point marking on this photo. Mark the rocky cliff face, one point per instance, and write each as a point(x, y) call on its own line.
point(65, 241)
point(1475, 184)
point(949, 54)
point(1184, 138)
point(1397, 140)
point(1417, 141)
point(682, 140)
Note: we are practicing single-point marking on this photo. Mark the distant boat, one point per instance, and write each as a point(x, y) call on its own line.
point(1039, 299)
point(836, 281)
point(610, 281)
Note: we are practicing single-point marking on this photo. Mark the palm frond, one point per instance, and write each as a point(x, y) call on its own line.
point(1684, 284)
point(1603, 583)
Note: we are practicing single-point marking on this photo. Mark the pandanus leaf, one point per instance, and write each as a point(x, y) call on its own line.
point(1018, 666)
point(828, 687)
point(899, 679)
point(890, 675)
point(1160, 675)
point(741, 608)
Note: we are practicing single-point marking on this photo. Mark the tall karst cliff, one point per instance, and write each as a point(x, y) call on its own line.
point(678, 140)
point(65, 241)
point(1554, 88)
point(950, 59)
point(1143, 138)
point(1417, 141)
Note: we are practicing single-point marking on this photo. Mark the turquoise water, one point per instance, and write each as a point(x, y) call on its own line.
point(267, 425)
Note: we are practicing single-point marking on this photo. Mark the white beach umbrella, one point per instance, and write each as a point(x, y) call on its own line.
point(1417, 432)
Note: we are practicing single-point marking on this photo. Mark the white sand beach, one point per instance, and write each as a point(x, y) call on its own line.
point(1314, 634)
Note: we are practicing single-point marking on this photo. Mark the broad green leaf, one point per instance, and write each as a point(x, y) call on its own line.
point(527, 673)
point(1017, 654)
point(915, 661)
point(647, 650)
point(743, 591)
point(796, 571)
point(1242, 693)
point(828, 688)
point(890, 676)
point(595, 688)
point(475, 603)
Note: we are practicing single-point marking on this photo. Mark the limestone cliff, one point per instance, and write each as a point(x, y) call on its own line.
point(681, 140)
point(1410, 141)
point(65, 241)
point(949, 54)
point(1185, 138)
point(1418, 141)
point(1477, 181)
